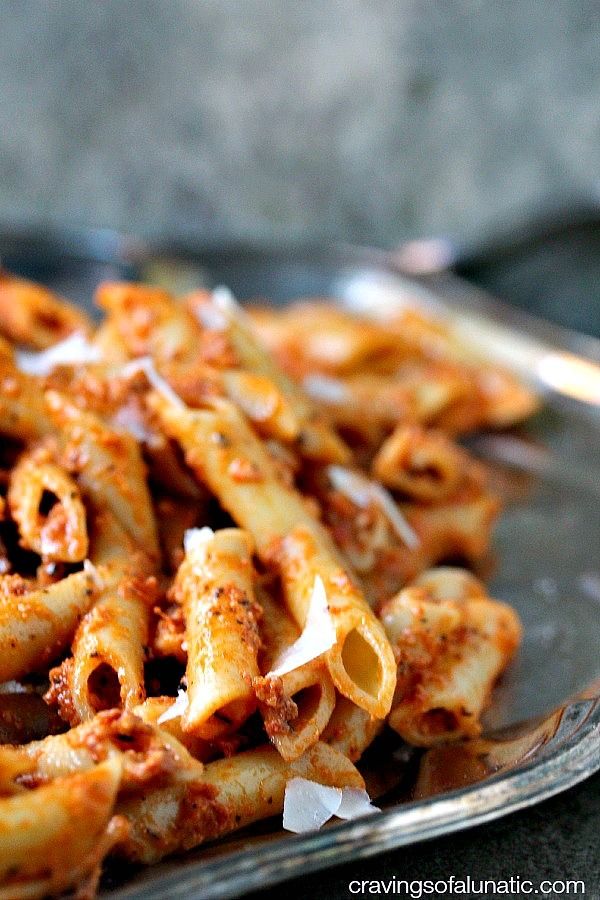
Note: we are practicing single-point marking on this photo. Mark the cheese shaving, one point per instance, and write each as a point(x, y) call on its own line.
point(355, 803)
point(132, 421)
point(176, 710)
point(194, 538)
point(317, 637)
point(362, 492)
point(211, 317)
point(146, 365)
point(308, 805)
point(325, 389)
point(74, 350)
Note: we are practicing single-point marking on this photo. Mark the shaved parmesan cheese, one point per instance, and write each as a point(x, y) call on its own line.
point(74, 350)
point(362, 491)
point(176, 710)
point(355, 803)
point(211, 317)
point(146, 365)
point(130, 419)
point(317, 637)
point(224, 300)
point(328, 390)
point(307, 805)
point(194, 538)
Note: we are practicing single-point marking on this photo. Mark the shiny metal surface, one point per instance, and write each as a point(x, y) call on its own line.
point(546, 559)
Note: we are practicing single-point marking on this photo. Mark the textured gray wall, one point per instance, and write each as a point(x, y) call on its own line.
point(268, 118)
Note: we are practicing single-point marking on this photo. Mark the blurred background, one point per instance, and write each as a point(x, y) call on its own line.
point(370, 121)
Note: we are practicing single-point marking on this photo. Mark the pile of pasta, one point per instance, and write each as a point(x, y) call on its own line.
point(222, 538)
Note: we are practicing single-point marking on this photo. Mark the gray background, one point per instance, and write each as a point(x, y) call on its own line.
point(365, 120)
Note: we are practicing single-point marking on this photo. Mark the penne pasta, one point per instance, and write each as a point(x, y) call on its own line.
point(214, 586)
point(452, 645)
point(297, 705)
point(229, 794)
point(41, 853)
point(33, 316)
point(60, 534)
point(109, 466)
point(37, 625)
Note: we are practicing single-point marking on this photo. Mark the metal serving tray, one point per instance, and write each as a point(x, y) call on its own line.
point(543, 730)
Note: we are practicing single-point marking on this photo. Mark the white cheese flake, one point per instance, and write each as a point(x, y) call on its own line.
point(74, 350)
point(146, 365)
point(326, 389)
point(194, 538)
point(317, 637)
point(131, 420)
point(177, 708)
point(355, 804)
point(362, 491)
point(308, 805)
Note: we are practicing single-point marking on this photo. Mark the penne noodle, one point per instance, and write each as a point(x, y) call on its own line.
point(214, 586)
point(229, 795)
point(41, 853)
point(36, 626)
point(317, 440)
point(351, 729)
point(149, 321)
point(59, 534)
point(23, 414)
point(109, 648)
point(297, 705)
point(33, 316)
point(360, 662)
point(423, 465)
point(110, 468)
point(451, 652)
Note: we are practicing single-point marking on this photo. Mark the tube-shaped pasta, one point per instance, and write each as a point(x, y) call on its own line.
point(214, 585)
point(41, 852)
point(424, 465)
point(460, 529)
point(361, 662)
point(451, 649)
point(230, 794)
point(35, 627)
point(351, 729)
point(317, 438)
point(109, 648)
point(218, 443)
point(149, 321)
point(61, 534)
point(153, 708)
point(110, 468)
point(263, 402)
point(296, 706)
point(32, 315)
point(327, 338)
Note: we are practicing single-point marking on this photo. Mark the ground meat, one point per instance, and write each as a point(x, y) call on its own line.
point(59, 694)
point(278, 710)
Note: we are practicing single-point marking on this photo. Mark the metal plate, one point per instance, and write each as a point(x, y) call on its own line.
point(546, 559)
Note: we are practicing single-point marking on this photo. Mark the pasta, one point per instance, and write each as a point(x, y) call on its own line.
point(222, 547)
